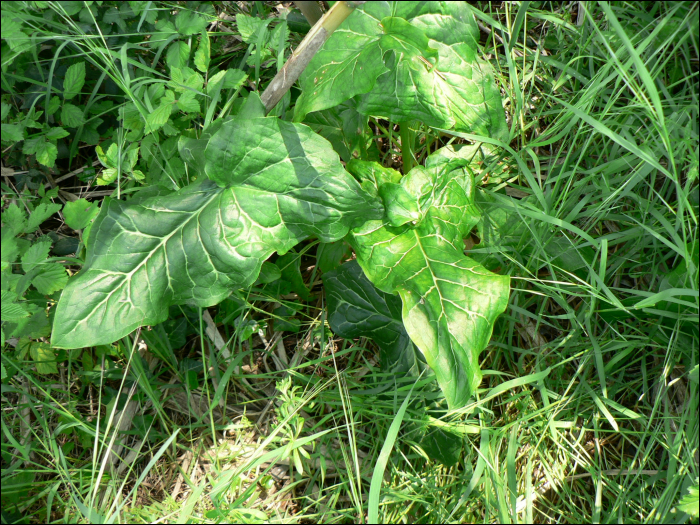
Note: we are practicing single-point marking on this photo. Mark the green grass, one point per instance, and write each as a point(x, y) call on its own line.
point(587, 411)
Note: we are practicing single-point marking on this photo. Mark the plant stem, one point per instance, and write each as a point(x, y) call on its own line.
point(304, 53)
point(406, 146)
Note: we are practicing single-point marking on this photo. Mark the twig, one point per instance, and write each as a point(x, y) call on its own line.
point(303, 54)
point(71, 174)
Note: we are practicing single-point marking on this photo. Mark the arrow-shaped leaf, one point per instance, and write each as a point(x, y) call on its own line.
point(198, 244)
point(450, 302)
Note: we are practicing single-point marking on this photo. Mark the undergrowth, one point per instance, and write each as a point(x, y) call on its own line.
point(254, 410)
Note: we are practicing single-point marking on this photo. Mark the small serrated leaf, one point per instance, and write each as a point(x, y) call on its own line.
point(108, 176)
point(46, 153)
point(11, 311)
point(158, 118)
point(31, 145)
point(74, 81)
point(72, 116)
point(50, 278)
point(79, 213)
point(690, 503)
point(249, 27)
point(14, 219)
point(9, 252)
point(44, 358)
point(56, 133)
point(42, 212)
point(201, 56)
point(178, 54)
point(187, 102)
point(189, 22)
point(53, 106)
point(12, 132)
point(35, 255)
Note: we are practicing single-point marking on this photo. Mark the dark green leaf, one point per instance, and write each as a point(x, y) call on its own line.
point(343, 126)
point(289, 265)
point(357, 309)
point(331, 254)
point(198, 244)
point(269, 272)
point(65, 246)
point(442, 445)
point(113, 16)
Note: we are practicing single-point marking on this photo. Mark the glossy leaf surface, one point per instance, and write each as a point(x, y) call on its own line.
point(450, 302)
point(407, 61)
point(272, 185)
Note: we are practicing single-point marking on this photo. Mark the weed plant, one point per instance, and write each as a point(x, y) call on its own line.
point(255, 411)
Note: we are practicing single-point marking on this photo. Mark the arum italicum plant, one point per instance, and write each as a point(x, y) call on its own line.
point(264, 185)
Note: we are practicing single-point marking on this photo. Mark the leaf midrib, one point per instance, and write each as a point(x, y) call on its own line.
point(128, 275)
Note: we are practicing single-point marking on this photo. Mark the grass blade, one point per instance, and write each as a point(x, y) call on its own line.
point(378, 474)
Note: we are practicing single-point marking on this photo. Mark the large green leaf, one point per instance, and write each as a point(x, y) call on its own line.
point(407, 60)
point(272, 185)
point(450, 302)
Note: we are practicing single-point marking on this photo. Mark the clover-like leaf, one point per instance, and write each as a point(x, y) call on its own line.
point(450, 302)
point(406, 61)
point(273, 184)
